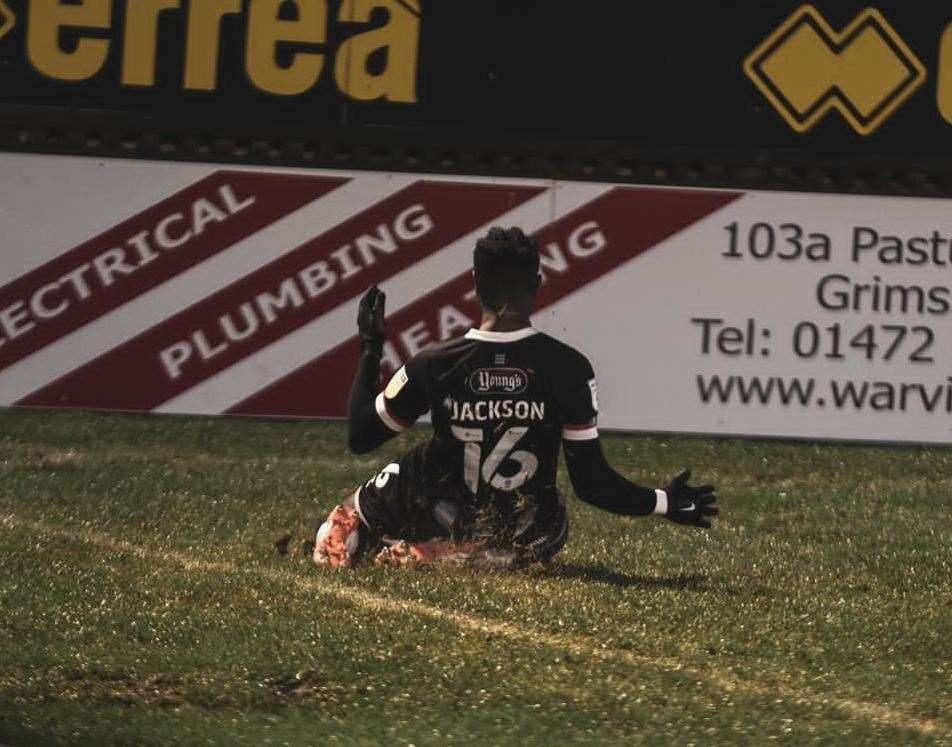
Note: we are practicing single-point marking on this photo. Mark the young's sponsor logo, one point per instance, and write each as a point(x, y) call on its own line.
point(498, 381)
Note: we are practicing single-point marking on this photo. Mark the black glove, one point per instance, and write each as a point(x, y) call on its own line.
point(370, 321)
point(689, 505)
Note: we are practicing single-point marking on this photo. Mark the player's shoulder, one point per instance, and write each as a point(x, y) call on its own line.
point(442, 348)
point(566, 355)
point(436, 355)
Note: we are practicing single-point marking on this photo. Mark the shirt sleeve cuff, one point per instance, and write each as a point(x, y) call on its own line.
point(580, 432)
point(661, 502)
point(385, 415)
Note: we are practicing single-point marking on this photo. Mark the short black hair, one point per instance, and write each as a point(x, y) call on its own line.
point(507, 266)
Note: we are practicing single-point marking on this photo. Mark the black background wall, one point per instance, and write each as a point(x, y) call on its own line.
point(630, 91)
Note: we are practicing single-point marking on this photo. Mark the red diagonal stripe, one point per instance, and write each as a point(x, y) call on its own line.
point(144, 251)
point(631, 221)
point(412, 224)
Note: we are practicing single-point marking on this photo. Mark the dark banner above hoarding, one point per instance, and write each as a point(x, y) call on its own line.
point(835, 77)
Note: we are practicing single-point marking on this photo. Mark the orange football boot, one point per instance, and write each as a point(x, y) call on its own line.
point(338, 538)
point(402, 553)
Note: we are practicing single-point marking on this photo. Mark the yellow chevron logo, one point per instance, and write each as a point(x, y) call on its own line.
point(7, 20)
point(865, 72)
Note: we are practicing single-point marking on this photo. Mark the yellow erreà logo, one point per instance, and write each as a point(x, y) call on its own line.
point(282, 56)
point(865, 72)
point(7, 19)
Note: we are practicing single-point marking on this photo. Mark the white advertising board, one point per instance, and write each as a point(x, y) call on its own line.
point(194, 288)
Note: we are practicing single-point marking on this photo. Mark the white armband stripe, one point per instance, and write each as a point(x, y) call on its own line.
point(586, 433)
point(388, 420)
point(359, 512)
point(661, 502)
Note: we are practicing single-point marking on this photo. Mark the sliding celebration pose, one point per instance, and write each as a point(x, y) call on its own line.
point(503, 399)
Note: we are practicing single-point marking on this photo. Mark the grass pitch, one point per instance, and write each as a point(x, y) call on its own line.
point(142, 600)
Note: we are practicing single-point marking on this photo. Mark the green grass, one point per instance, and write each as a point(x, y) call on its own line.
point(142, 600)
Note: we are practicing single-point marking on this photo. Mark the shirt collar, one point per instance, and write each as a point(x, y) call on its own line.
point(489, 336)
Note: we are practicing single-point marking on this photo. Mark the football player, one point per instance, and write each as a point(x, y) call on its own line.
point(503, 398)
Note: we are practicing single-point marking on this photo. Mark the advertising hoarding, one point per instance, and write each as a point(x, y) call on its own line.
point(192, 288)
point(845, 78)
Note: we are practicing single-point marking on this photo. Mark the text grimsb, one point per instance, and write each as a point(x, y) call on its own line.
point(840, 292)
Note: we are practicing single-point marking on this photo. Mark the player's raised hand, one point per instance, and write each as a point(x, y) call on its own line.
point(688, 504)
point(371, 323)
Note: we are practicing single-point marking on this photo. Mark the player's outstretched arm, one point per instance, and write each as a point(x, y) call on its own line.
point(689, 504)
point(596, 483)
point(365, 430)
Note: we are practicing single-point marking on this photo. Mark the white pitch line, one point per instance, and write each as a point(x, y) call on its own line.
point(581, 646)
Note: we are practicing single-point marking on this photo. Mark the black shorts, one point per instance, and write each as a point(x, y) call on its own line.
point(404, 501)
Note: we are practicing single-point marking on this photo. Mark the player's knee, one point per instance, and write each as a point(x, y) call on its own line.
point(378, 501)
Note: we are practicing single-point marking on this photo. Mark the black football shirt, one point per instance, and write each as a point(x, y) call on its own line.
point(501, 403)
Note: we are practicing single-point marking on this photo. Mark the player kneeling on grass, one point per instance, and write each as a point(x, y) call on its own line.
point(503, 398)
